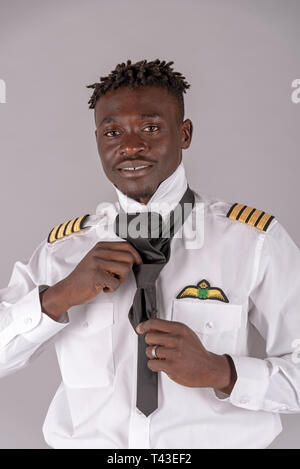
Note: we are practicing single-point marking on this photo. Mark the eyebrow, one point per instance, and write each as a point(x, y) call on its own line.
point(150, 114)
point(108, 120)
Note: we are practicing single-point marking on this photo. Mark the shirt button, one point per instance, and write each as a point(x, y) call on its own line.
point(244, 400)
point(85, 324)
point(28, 320)
point(209, 325)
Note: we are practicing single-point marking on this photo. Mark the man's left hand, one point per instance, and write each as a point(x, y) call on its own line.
point(183, 358)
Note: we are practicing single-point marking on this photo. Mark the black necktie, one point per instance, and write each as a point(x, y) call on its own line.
point(151, 237)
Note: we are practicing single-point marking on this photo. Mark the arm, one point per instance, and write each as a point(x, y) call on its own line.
point(31, 313)
point(24, 328)
point(273, 384)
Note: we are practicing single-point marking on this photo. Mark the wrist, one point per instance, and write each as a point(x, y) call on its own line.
point(54, 301)
point(224, 376)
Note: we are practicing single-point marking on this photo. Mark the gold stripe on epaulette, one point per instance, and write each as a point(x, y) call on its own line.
point(60, 233)
point(251, 216)
point(77, 225)
point(236, 208)
point(264, 222)
point(246, 212)
point(254, 217)
point(52, 235)
point(67, 228)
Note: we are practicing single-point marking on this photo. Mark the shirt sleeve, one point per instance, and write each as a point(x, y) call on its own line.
point(24, 329)
point(273, 384)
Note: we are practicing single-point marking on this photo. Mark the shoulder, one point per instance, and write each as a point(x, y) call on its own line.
point(67, 228)
point(251, 216)
point(82, 225)
point(237, 213)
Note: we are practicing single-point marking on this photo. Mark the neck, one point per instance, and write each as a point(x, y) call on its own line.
point(142, 199)
point(168, 194)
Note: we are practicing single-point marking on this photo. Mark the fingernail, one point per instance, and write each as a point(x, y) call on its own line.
point(138, 328)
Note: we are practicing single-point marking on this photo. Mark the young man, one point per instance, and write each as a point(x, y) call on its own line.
point(152, 334)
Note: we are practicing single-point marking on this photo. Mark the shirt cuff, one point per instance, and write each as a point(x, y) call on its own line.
point(253, 378)
point(46, 328)
point(30, 321)
point(251, 386)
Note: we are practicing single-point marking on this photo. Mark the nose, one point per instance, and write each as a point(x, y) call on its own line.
point(131, 147)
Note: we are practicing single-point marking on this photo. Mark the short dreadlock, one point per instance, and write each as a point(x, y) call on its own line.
point(155, 73)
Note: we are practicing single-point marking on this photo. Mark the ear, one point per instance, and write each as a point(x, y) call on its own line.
point(186, 133)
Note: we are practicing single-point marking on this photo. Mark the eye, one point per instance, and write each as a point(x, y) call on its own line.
point(153, 128)
point(111, 133)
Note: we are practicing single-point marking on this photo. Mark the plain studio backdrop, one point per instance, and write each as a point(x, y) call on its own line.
point(240, 56)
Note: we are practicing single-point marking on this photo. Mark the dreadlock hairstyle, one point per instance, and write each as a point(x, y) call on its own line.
point(155, 73)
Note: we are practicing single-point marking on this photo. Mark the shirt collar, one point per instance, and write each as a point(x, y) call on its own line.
point(165, 199)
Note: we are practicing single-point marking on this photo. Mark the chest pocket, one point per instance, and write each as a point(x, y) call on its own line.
point(216, 325)
point(85, 348)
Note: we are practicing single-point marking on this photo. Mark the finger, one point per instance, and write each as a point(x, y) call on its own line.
point(109, 282)
point(161, 352)
point(161, 338)
point(121, 269)
point(110, 254)
point(162, 325)
point(160, 365)
point(121, 246)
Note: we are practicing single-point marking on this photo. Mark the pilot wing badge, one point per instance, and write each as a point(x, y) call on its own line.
point(203, 291)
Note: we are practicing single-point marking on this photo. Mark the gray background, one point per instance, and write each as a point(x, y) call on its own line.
point(240, 58)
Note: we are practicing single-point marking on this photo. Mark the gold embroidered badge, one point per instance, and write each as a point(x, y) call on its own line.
point(203, 291)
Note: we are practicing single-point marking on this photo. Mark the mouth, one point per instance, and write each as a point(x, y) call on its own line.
point(135, 171)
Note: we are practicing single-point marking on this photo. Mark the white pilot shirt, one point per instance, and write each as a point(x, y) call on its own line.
point(96, 346)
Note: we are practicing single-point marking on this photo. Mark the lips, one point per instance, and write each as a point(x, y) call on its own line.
point(134, 169)
point(133, 165)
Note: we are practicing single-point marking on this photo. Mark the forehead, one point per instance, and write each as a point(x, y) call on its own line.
point(141, 100)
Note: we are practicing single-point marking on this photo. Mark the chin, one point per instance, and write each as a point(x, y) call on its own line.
point(137, 194)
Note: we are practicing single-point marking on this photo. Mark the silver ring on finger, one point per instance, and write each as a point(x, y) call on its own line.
point(153, 352)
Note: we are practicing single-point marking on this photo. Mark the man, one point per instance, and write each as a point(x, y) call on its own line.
point(102, 297)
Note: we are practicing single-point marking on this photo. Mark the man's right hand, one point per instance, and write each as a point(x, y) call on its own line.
point(104, 267)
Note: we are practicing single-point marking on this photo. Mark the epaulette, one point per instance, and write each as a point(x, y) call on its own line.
point(67, 228)
point(250, 215)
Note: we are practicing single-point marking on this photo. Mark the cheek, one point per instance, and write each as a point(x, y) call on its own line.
point(162, 149)
point(101, 145)
point(104, 153)
point(171, 143)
